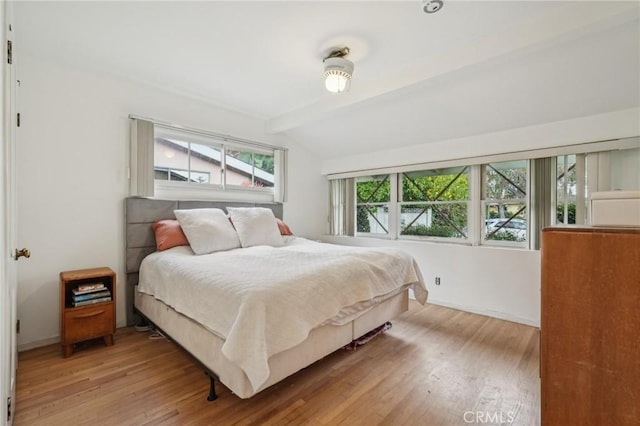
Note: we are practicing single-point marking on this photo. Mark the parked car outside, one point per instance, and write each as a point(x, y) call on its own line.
point(515, 227)
point(490, 223)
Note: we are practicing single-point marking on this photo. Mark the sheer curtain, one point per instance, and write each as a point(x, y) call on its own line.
point(341, 207)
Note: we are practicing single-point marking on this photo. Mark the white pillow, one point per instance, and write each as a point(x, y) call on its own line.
point(208, 230)
point(256, 226)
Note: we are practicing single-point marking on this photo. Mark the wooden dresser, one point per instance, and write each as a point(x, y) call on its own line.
point(590, 326)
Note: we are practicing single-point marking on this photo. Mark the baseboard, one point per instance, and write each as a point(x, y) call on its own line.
point(38, 343)
point(55, 339)
point(487, 312)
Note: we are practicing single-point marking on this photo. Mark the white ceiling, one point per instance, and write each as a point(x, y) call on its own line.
point(473, 67)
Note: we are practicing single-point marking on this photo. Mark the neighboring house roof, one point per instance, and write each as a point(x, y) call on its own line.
point(214, 156)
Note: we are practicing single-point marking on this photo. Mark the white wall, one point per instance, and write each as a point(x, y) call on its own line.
point(613, 125)
point(499, 282)
point(307, 206)
point(72, 177)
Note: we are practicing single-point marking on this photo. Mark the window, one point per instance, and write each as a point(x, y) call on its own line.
point(566, 190)
point(502, 200)
point(624, 166)
point(505, 201)
point(182, 163)
point(176, 160)
point(578, 175)
point(373, 195)
point(249, 169)
point(434, 203)
point(438, 204)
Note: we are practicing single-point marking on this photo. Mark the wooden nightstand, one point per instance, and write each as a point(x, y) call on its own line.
point(87, 306)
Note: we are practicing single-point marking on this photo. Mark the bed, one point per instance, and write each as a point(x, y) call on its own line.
point(246, 342)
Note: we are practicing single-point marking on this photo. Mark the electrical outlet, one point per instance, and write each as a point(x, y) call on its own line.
point(437, 280)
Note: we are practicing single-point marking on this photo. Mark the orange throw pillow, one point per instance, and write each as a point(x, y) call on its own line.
point(284, 228)
point(169, 234)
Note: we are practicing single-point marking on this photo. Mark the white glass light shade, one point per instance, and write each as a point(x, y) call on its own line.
point(337, 74)
point(336, 83)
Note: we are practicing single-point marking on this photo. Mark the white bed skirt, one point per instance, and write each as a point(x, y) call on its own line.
point(206, 346)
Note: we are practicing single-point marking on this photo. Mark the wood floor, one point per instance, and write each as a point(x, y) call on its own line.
point(436, 366)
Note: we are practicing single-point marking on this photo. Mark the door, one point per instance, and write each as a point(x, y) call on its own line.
point(8, 225)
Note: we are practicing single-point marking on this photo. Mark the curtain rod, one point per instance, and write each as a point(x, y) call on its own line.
point(207, 133)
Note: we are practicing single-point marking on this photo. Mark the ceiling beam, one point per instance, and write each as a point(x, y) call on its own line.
point(578, 17)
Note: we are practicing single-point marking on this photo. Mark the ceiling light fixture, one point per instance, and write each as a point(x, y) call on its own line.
point(337, 70)
point(431, 6)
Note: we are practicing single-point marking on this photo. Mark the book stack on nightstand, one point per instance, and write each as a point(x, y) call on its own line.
point(87, 306)
point(90, 293)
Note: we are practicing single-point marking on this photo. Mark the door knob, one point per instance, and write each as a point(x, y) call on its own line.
point(24, 252)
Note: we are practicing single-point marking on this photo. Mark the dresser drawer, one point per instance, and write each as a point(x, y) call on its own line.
point(88, 322)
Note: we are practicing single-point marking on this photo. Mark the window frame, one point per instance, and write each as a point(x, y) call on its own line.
point(526, 200)
point(176, 139)
point(466, 170)
point(253, 151)
point(476, 212)
point(207, 191)
point(391, 208)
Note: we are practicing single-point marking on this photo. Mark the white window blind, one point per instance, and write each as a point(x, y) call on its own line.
point(141, 171)
point(341, 205)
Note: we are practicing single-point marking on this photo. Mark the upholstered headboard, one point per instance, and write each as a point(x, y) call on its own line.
point(141, 213)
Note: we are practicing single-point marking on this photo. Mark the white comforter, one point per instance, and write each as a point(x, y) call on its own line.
point(264, 300)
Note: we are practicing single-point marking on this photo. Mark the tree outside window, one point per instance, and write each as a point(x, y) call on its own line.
point(373, 195)
point(435, 203)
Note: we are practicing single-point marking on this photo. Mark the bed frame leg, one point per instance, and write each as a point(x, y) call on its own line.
point(212, 390)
